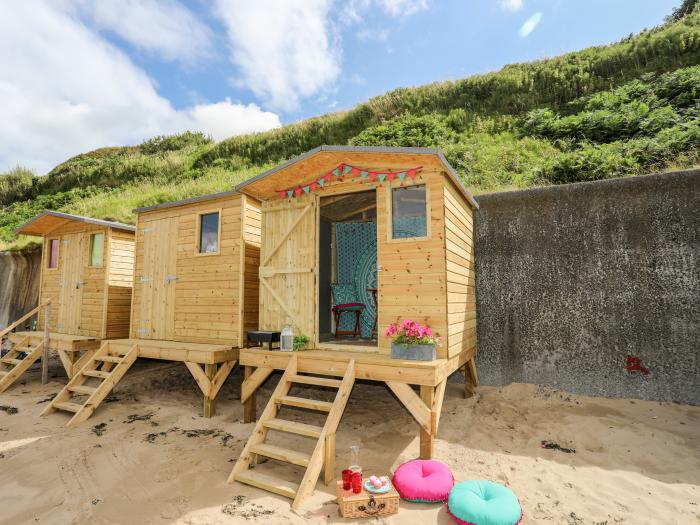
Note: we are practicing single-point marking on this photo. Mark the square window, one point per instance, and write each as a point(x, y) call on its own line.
point(53, 253)
point(97, 246)
point(209, 233)
point(409, 217)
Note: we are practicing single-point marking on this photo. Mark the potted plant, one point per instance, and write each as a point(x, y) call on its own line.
point(300, 342)
point(410, 340)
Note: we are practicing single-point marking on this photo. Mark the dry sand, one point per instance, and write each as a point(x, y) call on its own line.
point(148, 457)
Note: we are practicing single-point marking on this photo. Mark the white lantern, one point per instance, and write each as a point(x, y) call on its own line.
point(287, 339)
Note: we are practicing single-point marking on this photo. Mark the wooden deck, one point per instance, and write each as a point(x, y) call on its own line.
point(178, 351)
point(368, 365)
point(65, 342)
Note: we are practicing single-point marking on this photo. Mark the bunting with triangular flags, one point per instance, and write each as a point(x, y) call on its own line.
point(340, 171)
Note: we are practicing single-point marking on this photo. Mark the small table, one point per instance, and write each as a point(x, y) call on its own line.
point(373, 291)
point(263, 336)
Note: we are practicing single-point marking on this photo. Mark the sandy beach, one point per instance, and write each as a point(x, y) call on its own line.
point(147, 456)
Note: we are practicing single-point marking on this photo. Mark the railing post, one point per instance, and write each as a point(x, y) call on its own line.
point(45, 357)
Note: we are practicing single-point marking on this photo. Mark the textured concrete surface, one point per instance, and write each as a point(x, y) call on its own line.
point(19, 284)
point(572, 280)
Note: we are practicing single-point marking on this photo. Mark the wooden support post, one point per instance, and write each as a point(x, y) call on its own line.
point(427, 394)
point(329, 459)
point(470, 378)
point(45, 356)
point(249, 408)
point(209, 399)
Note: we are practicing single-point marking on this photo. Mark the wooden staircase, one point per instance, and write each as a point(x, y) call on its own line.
point(88, 387)
point(17, 361)
point(323, 454)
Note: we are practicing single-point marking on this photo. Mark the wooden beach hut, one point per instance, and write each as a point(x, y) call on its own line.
point(195, 295)
point(392, 229)
point(86, 279)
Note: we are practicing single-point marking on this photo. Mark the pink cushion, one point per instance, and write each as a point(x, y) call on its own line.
point(426, 480)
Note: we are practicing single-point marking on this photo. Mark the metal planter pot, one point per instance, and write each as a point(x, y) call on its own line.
point(413, 352)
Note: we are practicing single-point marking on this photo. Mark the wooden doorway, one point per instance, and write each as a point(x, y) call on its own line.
point(157, 288)
point(288, 266)
point(71, 284)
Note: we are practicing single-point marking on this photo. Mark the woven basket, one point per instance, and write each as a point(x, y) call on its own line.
point(365, 504)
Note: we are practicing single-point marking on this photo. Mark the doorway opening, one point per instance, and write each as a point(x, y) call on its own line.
point(347, 288)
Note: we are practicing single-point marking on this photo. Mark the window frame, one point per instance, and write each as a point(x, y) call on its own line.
point(104, 244)
point(390, 209)
point(49, 240)
point(198, 233)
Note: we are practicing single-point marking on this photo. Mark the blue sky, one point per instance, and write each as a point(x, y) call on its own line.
point(81, 75)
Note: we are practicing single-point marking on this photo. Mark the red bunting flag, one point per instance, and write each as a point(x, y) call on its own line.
point(298, 191)
point(391, 175)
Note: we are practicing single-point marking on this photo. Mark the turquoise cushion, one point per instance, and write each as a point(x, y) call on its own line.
point(483, 503)
point(344, 293)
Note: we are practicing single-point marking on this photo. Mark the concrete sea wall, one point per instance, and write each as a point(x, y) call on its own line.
point(593, 288)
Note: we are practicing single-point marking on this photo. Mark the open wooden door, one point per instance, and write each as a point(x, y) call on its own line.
point(71, 284)
point(288, 266)
point(156, 280)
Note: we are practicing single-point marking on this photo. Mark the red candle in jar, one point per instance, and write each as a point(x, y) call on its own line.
point(347, 475)
point(356, 482)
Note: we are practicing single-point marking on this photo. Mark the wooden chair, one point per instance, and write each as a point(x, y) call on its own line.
point(345, 300)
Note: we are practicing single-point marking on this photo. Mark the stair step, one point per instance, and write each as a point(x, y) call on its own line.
point(293, 427)
point(281, 454)
point(302, 402)
point(82, 389)
point(314, 380)
point(25, 349)
point(67, 406)
point(265, 482)
point(96, 373)
point(11, 361)
point(109, 359)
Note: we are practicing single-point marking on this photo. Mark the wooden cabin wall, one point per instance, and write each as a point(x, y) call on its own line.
point(120, 278)
point(90, 302)
point(461, 284)
point(412, 279)
point(207, 289)
point(252, 237)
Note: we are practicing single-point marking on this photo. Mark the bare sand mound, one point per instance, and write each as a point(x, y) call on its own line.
point(147, 456)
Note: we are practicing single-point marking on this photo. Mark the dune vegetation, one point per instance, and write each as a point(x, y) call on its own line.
point(624, 109)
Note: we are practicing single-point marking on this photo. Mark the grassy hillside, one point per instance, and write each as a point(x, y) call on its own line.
point(624, 109)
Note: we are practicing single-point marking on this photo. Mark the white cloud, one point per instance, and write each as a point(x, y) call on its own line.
point(285, 50)
point(354, 10)
point(512, 5)
point(224, 119)
point(403, 7)
point(162, 27)
point(530, 25)
point(65, 90)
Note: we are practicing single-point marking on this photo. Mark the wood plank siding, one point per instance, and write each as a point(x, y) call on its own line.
point(182, 295)
point(91, 301)
point(461, 285)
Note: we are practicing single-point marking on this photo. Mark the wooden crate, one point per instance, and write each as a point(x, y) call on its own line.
point(365, 504)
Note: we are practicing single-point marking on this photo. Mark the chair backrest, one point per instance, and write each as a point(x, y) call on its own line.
point(344, 293)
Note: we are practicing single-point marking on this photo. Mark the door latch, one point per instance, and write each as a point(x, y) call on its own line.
point(171, 278)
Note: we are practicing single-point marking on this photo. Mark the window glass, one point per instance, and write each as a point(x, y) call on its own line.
point(97, 246)
point(408, 210)
point(209, 233)
point(53, 253)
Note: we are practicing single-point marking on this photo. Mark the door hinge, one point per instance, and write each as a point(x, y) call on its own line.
point(143, 330)
point(148, 229)
point(146, 279)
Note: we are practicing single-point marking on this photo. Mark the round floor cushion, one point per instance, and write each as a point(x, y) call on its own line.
point(423, 480)
point(483, 503)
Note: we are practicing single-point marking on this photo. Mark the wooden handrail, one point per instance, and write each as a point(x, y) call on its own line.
point(23, 318)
